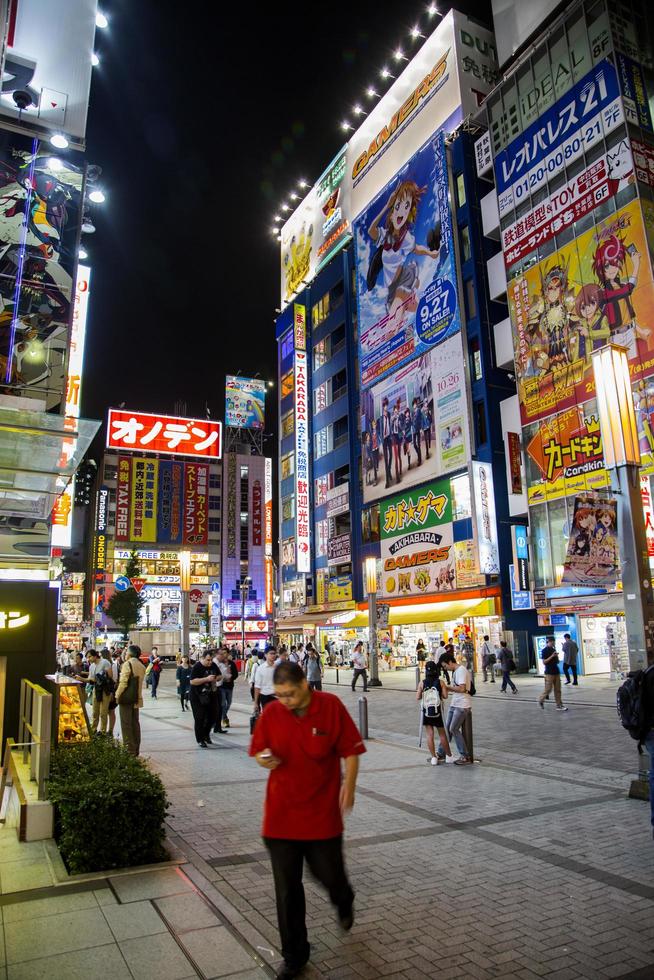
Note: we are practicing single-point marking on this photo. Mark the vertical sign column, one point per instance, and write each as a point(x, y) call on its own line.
point(302, 525)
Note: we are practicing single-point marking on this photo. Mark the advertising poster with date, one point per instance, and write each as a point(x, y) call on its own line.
point(405, 270)
point(596, 290)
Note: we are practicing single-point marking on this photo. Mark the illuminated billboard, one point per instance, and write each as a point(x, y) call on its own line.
point(166, 434)
point(245, 402)
point(47, 64)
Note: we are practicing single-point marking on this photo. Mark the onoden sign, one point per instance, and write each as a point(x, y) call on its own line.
point(417, 542)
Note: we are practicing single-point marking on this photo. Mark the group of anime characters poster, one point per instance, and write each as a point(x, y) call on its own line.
point(595, 291)
point(405, 273)
point(40, 200)
point(593, 556)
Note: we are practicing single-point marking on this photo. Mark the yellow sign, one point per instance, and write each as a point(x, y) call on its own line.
point(13, 620)
point(143, 517)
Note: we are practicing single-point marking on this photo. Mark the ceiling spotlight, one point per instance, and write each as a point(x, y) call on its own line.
point(399, 55)
point(97, 197)
point(357, 110)
point(101, 21)
point(286, 207)
point(432, 9)
point(385, 73)
point(415, 32)
point(277, 217)
point(55, 163)
point(294, 196)
point(95, 61)
point(303, 184)
point(371, 93)
point(82, 254)
point(345, 125)
point(279, 238)
point(59, 140)
point(88, 228)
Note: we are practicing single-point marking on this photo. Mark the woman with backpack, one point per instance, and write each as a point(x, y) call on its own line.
point(432, 691)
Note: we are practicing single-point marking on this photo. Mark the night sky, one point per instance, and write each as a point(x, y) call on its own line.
point(202, 121)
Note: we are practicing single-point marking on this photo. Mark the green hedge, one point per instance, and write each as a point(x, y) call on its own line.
point(110, 808)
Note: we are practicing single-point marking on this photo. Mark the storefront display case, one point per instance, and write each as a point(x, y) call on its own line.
point(70, 721)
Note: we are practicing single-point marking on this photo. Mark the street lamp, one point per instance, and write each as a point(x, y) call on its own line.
point(185, 587)
point(370, 580)
point(245, 589)
point(615, 406)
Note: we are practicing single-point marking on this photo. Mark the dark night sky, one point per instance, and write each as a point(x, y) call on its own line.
point(202, 121)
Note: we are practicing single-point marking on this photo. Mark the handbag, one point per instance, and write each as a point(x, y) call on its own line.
point(130, 695)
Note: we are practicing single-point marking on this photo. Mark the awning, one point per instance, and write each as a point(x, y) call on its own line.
point(416, 614)
point(611, 604)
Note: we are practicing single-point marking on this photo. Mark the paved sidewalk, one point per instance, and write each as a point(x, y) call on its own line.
point(532, 863)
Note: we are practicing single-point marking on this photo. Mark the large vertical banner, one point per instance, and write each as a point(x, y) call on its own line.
point(417, 546)
point(123, 498)
point(231, 505)
point(268, 534)
point(196, 485)
point(485, 519)
point(405, 271)
point(302, 523)
point(143, 521)
point(170, 505)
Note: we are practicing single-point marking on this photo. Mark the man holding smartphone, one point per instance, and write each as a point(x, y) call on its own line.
point(301, 739)
point(203, 675)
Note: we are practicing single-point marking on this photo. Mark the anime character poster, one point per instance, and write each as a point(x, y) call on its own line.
point(593, 556)
point(596, 290)
point(40, 199)
point(405, 271)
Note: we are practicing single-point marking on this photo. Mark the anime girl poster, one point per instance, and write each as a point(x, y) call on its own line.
point(405, 271)
point(593, 556)
point(594, 291)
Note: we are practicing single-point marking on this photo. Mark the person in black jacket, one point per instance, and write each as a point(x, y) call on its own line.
point(203, 676)
point(184, 682)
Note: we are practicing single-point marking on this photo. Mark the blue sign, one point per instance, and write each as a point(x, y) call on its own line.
point(519, 600)
point(215, 588)
point(122, 584)
point(634, 92)
point(558, 619)
point(170, 502)
point(436, 312)
point(575, 123)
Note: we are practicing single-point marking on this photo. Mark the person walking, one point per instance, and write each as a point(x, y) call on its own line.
point(507, 662)
point(314, 670)
point(250, 669)
point(550, 658)
point(460, 706)
point(570, 651)
point(155, 674)
point(264, 688)
point(488, 659)
point(183, 677)
point(230, 673)
point(203, 676)
point(432, 692)
point(359, 665)
point(301, 741)
point(132, 694)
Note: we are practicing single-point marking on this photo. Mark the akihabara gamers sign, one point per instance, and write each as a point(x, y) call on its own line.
point(167, 434)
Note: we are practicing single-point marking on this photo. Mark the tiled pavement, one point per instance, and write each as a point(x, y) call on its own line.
point(532, 863)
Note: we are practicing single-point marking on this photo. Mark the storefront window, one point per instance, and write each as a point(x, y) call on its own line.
point(322, 533)
point(288, 465)
point(540, 542)
point(461, 499)
point(288, 424)
point(559, 534)
point(287, 384)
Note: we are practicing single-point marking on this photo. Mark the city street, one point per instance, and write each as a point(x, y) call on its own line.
point(532, 863)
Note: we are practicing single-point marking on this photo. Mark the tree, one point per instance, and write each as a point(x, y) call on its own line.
point(124, 607)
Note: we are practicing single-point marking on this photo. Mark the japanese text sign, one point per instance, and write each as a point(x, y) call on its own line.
point(169, 435)
point(302, 511)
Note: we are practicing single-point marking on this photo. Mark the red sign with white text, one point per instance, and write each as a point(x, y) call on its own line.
point(168, 434)
point(196, 488)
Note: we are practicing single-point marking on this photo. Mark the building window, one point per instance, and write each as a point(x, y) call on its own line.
point(288, 424)
point(460, 190)
point(320, 311)
point(110, 473)
point(370, 524)
point(475, 359)
point(323, 441)
point(341, 475)
point(461, 499)
point(336, 294)
point(322, 533)
point(287, 384)
point(321, 353)
point(288, 465)
point(481, 431)
point(287, 345)
point(338, 339)
point(214, 481)
point(214, 502)
point(339, 384)
point(341, 432)
point(321, 397)
point(288, 508)
point(471, 303)
point(464, 237)
point(321, 485)
point(214, 525)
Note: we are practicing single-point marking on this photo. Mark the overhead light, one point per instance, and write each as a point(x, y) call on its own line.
point(277, 217)
point(55, 163)
point(101, 21)
point(286, 207)
point(371, 93)
point(303, 184)
point(399, 55)
point(97, 196)
point(358, 110)
point(59, 140)
point(274, 231)
point(271, 384)
point(415, 32)
point(385, 73)
point(345, 125)
point(279, 238)
point(95, 61)
point(82, 254)
point(432, 9)
point(88, 228)
point(294, 196)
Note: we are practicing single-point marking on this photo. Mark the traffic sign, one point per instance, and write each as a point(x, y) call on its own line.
point(215, 587)
point(122, 583)
point(138, 583)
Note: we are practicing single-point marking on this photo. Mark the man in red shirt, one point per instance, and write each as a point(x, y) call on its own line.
point(301, 738)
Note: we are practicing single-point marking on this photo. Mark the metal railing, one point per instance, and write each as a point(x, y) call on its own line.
point(35, 731)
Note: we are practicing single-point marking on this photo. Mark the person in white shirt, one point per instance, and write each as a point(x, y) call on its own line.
point(359, 664)
point(460, 706)
point(99, 671)
point(264, 689)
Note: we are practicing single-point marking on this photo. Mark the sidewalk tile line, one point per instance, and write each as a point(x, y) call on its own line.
point(53, 891)
point(171, 931)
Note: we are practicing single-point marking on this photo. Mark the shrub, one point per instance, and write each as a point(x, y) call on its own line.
point(110, 808)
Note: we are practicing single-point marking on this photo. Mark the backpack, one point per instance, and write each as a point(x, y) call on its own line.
point(635, 703)
point(431, 701)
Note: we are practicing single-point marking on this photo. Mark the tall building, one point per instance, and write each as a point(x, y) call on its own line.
point(391, 445)
point(569, 149)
